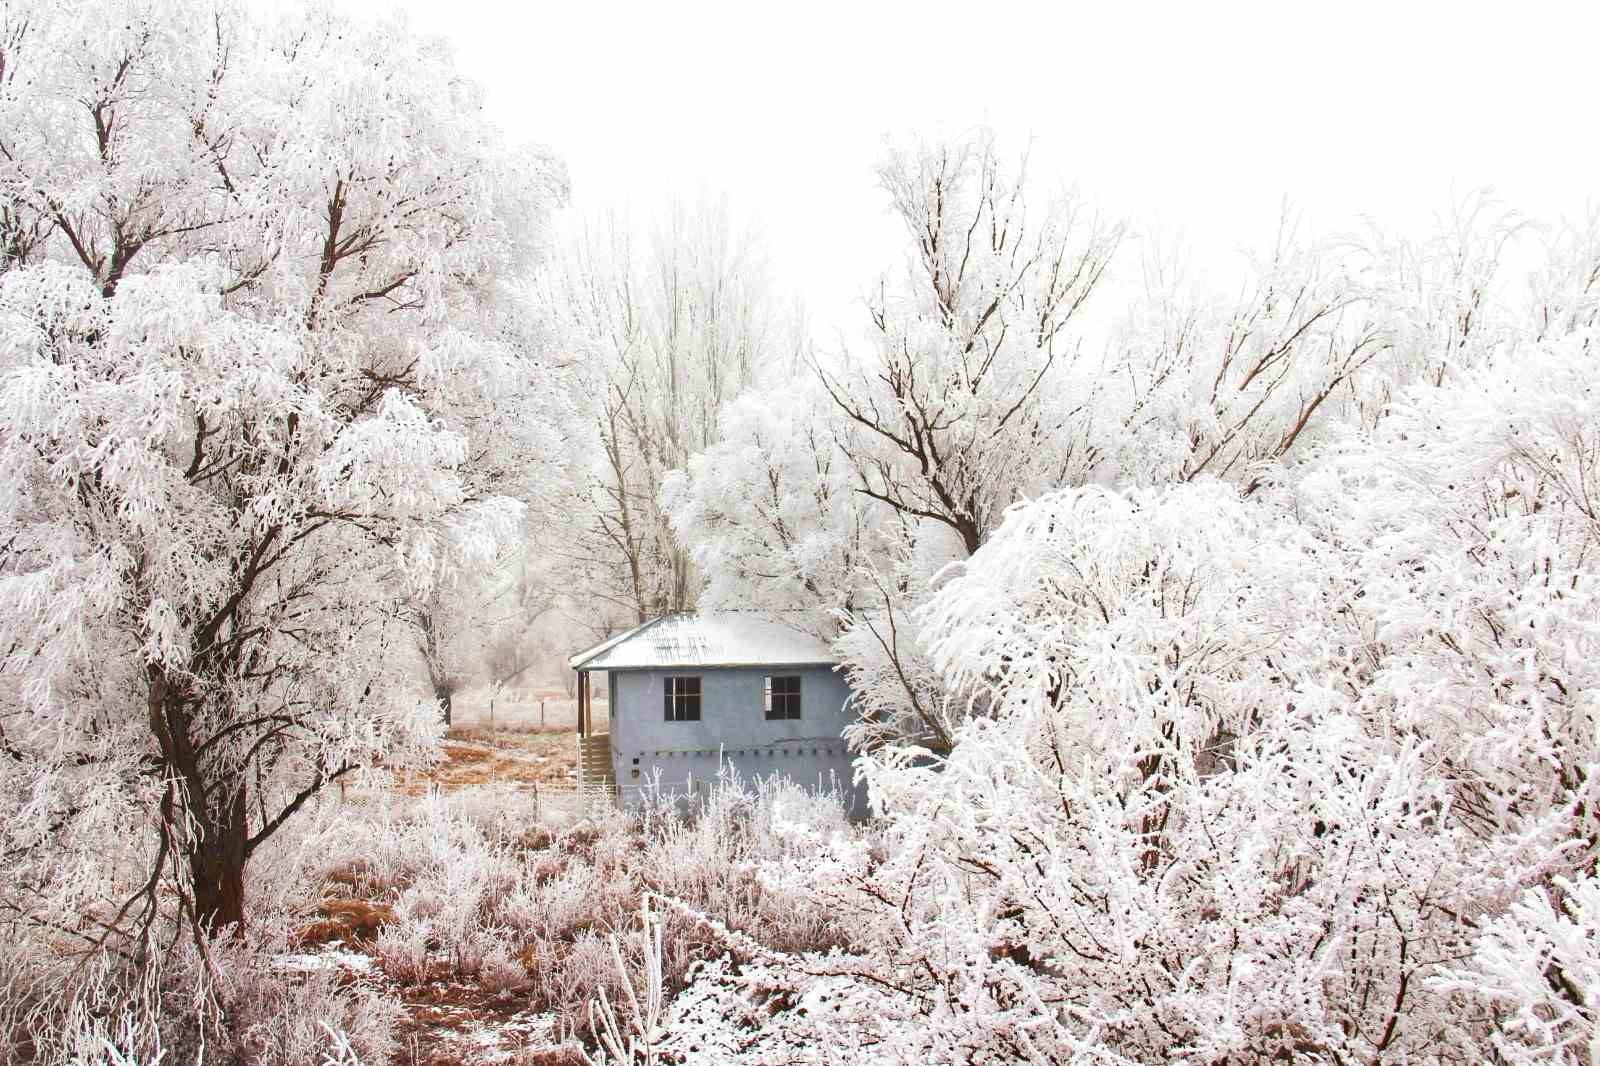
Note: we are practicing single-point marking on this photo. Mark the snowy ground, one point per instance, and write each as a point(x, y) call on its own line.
point(449, 1023)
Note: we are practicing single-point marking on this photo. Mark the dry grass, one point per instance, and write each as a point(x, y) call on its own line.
point(567, 1055)
point(352, 923)
point(474, 756)
point(450, 1023)
point(491, 932)
point(530, 738)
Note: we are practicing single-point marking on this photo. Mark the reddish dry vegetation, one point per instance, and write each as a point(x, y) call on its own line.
point(451, 1021)
point(445, 1017)
point(474, 756)
point(351, 923)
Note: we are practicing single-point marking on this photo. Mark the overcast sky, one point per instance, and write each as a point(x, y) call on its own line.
point(1203, 118)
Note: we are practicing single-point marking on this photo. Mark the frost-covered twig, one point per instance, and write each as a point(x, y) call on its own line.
point(634, 1038)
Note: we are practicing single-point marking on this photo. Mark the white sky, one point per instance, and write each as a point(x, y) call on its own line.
point(1202, 117)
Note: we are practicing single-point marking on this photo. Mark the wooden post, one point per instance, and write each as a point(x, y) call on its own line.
point(583, 700)
point(541, 714)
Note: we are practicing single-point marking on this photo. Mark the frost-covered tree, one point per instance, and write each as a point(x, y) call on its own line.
point(678, 322)
point(1293, 764)
point(771, 511)
point(844, 493)
point(1197, 386)
point(518, 618)
point(951, 415)
point(979, 391)
point(263, 349)
point(462, 612)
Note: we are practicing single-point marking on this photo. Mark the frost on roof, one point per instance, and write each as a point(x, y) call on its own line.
point(712, 638)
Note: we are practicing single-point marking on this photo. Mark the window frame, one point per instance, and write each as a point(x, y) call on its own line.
point(790, 709)
point(677, 699)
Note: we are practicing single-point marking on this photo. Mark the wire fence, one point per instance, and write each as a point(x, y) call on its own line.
point(529, 801)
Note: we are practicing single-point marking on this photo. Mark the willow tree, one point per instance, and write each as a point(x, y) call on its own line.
point(262, 354)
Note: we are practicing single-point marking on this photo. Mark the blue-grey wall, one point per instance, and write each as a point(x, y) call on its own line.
point(733, 729)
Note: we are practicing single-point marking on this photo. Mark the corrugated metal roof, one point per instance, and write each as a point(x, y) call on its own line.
point(710, 638)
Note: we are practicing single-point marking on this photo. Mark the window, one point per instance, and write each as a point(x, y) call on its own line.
point(683, 699)
point(783, 698)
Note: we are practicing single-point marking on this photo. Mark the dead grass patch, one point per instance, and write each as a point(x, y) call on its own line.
point(476, 757)
point(447, 1021)
point(354, 923)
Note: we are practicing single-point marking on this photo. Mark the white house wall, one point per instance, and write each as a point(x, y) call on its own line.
point(732, 729)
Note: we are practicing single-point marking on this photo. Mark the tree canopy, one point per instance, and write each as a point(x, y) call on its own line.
point(268, 353)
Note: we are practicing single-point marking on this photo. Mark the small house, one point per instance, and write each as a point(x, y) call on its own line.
point(690, 694)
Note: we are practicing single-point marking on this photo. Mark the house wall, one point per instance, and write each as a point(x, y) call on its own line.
point(732, 730)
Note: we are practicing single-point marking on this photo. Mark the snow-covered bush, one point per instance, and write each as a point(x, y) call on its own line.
point(251, 1000)
point(1280, 747)
point(1537, 966)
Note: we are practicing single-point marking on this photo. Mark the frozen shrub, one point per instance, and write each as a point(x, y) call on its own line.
point(617, 847)
point(499, 973)
point(788, 815)
point(579, 840)
point(421, 901)
point(543, 865)
point(471, 948)
point(402, 950)
point(566, 903)
point(286, 1021)
point(541, 962)
point(587, 968)
point(497, 883)
point(522, 913)
point(534, 838)
point(731, 858)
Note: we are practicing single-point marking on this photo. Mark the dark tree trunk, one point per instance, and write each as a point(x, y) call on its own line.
point(217, 867)
point(446, 697)
point(971, 535)
point(218, 844)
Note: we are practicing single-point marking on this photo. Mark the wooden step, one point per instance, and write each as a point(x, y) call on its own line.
point(594, 769)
